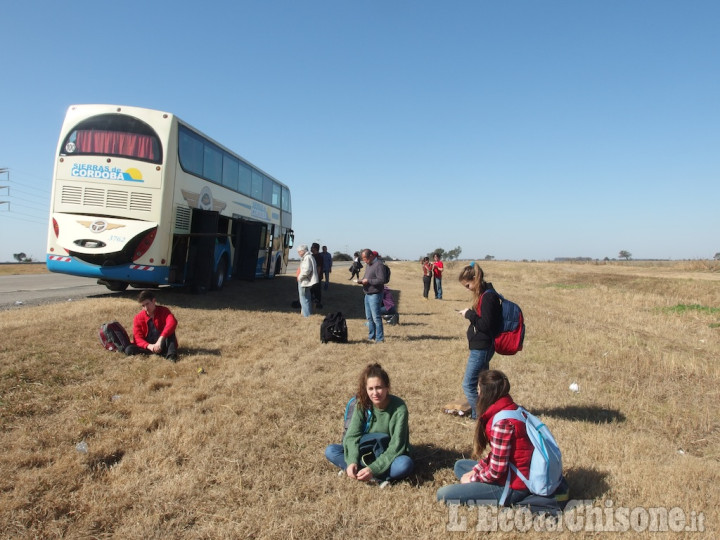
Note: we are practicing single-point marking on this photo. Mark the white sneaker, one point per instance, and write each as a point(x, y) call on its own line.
point(384, 484)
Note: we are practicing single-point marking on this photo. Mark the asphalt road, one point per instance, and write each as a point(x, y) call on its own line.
point(36, 289)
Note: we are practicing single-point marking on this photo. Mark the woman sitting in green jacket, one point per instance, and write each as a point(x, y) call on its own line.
point(376, 444)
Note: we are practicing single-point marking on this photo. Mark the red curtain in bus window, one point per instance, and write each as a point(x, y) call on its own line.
point(115, 144)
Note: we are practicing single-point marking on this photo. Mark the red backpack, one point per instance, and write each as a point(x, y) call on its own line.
point(510, 339)
point(114, 337)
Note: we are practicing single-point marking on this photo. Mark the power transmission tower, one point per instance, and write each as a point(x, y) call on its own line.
point(5, 171)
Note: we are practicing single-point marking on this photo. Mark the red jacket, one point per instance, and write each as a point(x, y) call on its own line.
point(518, 448)
point(163, 320)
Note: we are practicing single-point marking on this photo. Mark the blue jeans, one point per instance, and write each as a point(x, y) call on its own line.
point(437, 287)
point(399, 468)
point(305, 303)
point(476, 493)
point(479, 360)
point(372, 314)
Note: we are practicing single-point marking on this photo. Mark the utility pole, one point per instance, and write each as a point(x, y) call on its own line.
point(6, 172)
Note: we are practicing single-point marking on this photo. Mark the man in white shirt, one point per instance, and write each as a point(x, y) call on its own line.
point(306, 278)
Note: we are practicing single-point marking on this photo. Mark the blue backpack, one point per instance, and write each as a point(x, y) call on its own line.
point(371, 445)
point(546, 463)
point(349, 411)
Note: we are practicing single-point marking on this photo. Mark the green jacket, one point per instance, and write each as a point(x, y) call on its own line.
point(393, 420)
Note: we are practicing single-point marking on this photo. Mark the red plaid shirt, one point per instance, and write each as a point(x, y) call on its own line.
point(509, 443)
point(494, 466)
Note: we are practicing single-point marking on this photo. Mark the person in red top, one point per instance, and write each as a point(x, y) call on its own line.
point(153, 329)
point(483, 481)
point(437, 275)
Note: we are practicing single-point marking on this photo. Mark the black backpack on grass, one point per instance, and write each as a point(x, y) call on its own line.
point(334, 328)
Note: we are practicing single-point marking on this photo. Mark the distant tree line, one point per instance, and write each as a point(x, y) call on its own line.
point(340, 256)
point(22, 258)
point(451, 255)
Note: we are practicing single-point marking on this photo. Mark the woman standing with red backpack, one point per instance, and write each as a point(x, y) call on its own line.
point(486, 322)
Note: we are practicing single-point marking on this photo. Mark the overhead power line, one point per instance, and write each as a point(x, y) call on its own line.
point(14, 217)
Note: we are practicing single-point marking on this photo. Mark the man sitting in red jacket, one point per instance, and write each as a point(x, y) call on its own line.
point(153, 329)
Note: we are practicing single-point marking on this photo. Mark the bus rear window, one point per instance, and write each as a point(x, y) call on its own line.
point(114, 135)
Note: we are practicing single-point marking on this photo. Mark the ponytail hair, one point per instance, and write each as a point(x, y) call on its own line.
point(472, 273)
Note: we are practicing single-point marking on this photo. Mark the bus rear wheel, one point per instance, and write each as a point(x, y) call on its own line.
point(219, 278)
point(116, 286)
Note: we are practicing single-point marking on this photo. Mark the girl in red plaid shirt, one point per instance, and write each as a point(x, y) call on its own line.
point(483, 481)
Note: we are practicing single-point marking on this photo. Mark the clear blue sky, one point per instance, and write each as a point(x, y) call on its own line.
point(522, 129)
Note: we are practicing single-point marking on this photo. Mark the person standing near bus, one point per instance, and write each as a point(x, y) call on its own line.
point(356, 266)
point(327, 265)
point(316, 290)
point(306, 278)
point(153, 329)
point(373, 283)
point(437, 274)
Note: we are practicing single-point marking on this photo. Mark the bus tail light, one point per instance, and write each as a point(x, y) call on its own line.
point(144, 244)
point(56, 228)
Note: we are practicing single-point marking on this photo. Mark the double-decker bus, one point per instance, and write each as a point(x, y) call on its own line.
point(141, 198)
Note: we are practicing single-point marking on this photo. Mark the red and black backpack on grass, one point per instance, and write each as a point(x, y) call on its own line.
point(114, 337)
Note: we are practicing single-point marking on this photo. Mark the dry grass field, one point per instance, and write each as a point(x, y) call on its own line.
point(13, 269)
point(228, 442)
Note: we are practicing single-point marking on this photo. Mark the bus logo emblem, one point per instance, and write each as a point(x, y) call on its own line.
point(99, 225)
